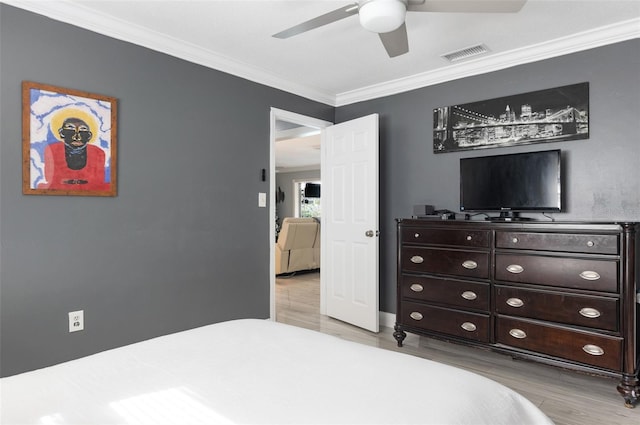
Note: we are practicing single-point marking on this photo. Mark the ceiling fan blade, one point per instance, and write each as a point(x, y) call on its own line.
point(327, 18)
point(466, 6)
point(395, 42)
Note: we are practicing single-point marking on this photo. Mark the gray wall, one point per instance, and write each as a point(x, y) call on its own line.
point(170, 251)
point(602, 173)
point(285, 182)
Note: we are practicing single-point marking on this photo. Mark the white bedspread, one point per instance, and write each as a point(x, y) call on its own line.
point(257, 371)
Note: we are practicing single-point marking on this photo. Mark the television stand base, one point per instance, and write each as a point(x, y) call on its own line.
point(509, 219)
point(509, 216)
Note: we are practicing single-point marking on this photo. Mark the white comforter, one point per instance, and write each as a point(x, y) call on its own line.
point(257, 371)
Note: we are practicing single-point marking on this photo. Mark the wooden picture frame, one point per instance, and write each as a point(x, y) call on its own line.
point(69, 142)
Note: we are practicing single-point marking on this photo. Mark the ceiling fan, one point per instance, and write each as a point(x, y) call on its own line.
point(386, 17)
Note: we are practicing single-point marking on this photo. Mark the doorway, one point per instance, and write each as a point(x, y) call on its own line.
point(278, 117)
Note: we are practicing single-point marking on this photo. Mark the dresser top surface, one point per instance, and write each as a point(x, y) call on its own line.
point(525, 225)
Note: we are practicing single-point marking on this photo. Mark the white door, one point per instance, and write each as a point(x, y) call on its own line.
point(349, 228)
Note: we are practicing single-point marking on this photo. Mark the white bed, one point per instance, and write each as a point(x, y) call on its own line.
point(257, 371)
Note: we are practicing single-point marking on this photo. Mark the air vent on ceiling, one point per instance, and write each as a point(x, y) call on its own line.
point(466, 53)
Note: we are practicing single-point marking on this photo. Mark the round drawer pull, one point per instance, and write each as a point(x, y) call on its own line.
point(518, 333)
point(589, 275)
point(469, 264)
point(589, 312)
point(469, 295)
point(416, 259)
point(515, 302)
point(416, 287)
point(417, 235)
point(468, 326)
point(514, 240)
point(416, 316)
point(590, 243)
point(594, 350)
point(469, 237)
point(515, 268)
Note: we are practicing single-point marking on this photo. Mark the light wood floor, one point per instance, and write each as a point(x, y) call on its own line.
point(568, 398)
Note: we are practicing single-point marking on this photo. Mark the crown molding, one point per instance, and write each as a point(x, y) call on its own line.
point(81, 16)
point(78, 15)
point(284, 170)
point(610, 34)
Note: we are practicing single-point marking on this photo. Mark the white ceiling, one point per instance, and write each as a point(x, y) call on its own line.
point(298, 154)
point(297, 147)
point(342, 63)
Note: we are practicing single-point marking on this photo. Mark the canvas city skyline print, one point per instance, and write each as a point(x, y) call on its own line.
point(550, 115)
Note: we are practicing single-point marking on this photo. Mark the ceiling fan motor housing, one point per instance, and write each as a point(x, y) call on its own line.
point(382, 16)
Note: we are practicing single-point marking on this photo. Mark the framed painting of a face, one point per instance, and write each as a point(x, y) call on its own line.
point(69, 143)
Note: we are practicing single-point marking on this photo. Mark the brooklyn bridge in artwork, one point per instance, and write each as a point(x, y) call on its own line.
point(556, 114)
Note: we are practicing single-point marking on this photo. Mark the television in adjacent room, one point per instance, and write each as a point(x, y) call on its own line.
point(512, 183)
point(312, 190)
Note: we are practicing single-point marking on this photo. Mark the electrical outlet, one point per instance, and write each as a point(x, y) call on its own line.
point(76, 320)
point(262, 199)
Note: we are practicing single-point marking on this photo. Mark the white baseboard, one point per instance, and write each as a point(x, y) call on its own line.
point(387, 320)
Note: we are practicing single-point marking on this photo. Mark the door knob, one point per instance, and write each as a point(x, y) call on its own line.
point(371, 233)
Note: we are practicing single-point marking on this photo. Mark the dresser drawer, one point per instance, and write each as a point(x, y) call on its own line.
point(581, 310)
point(583, 347)
point(597, 275)
point(454, 237)
point(451, 322)
point(455, 293)
point(446, 261)
point(565, 242)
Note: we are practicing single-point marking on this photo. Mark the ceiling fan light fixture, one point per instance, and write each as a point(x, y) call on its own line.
point(382, 16)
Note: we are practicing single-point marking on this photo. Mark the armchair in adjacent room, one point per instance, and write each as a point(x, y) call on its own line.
point(298, 246)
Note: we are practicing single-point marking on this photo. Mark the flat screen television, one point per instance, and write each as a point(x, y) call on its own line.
point(312, 190)
point(512, 183)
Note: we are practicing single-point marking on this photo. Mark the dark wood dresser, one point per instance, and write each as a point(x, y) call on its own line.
point(558, 293)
